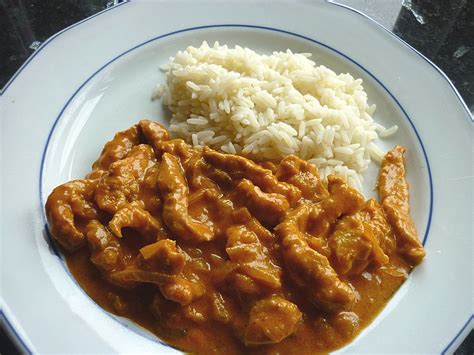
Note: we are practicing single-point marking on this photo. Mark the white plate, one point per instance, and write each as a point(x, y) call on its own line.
point(96, 78)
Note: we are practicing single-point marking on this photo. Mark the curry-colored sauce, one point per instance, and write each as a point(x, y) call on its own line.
point(215, 253)
point(317, 334)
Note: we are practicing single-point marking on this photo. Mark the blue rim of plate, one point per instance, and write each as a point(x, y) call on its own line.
point(12, 330)
point(271, 29)
point(447, 348)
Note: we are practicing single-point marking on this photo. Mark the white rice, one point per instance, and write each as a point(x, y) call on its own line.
point(267, 107)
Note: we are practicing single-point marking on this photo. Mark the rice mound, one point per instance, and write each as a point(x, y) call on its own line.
point(269, 106)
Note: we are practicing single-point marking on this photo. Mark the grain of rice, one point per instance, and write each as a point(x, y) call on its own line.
point(343, 150)
point(197, 121)
point(192, 86)
point(375, 152)
point(389, 131)
point(194, 139)
point(302, 129)
point(334, 162)
point(217, 140)
point(231, 148)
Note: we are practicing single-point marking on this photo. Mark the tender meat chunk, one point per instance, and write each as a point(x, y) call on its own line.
point(346, 323)
point(67, 202)
point(310, 269)
point(195, 167)
point(237, 166)
point(254, 272)
point(210, 206)
point(154, 133)
point(350, 249)
point(393, 190)
point(221, 178)
point(174, 189)
point(118, 148)
point(121, 184)
point(307, 267)
point(106, 251)
point(269, 165)
point(149, 192)
point(175, 288)
point(374, 219)
point(132, 275)
point(215, 198)
point(343, 200)
point(354, 247)
point(220, 309)
point(163, 256)
point(134, 215)
point(269, 208)
point(271, 320)
point(195, 312)
point(243, 216)
point(378, 256)
point(304, 176)
point(177, 148)
point(182, 291)
point(320, 244)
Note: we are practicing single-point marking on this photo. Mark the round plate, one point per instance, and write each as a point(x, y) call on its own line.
point(80, 88)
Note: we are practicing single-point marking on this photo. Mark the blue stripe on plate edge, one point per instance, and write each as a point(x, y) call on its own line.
point(445, 350)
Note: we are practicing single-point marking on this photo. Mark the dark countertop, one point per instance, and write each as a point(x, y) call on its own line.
point(443, 30)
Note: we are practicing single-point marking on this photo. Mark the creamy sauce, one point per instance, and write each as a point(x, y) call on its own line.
point(217, 254)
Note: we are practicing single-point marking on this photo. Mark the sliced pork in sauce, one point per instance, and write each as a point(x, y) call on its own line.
point(216, 253)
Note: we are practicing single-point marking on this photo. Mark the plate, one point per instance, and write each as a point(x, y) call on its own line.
point(97, 77)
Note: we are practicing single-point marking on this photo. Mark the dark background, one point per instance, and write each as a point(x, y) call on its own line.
point(443, 30)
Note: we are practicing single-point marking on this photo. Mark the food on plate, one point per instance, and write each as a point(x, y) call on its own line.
point(218, 253)
point(270, 106)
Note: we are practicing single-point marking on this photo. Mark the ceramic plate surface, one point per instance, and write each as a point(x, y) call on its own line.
point(96, 78)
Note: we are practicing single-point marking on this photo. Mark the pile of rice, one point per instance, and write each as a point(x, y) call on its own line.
point(270, 106)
